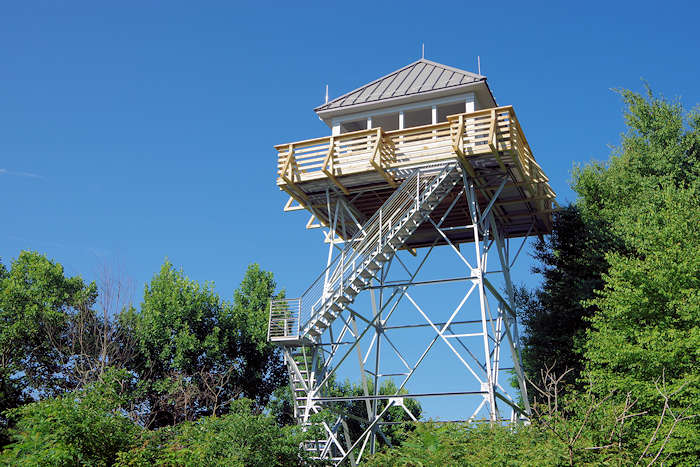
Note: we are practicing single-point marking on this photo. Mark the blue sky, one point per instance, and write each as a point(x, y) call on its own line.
point(136, 131)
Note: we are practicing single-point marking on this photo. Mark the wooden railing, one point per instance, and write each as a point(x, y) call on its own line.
point(495, 131)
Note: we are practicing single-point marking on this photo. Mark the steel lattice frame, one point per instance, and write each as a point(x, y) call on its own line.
point(482, 304)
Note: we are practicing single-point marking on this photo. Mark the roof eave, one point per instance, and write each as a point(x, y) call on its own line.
point(416, 97)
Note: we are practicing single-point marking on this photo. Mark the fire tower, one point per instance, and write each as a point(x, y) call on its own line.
point(419, 162)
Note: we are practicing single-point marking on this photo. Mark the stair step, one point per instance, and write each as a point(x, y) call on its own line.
point(328, 314)
point(358, 280)
point(388, 249)
point(376, 251)
point(366, 273)
point(384, 256)
point(343, 299)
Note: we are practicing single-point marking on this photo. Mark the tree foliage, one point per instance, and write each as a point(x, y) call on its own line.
point(37, 302)
point(84, 427)
point(199, 352)
point(38, 305)
point(240, 438)
point(620, 293)
point(647, 327)
point(396, 416)
point(186, 354)
point(567, 427)
point(571, 262)
point(398, 421)
point(90, 427)
point(472, 445)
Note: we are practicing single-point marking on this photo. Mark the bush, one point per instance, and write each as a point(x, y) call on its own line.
point(472, 445)
point(83, 427)
point(240, 438)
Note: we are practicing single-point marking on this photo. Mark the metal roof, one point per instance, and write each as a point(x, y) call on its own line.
point(418, 77)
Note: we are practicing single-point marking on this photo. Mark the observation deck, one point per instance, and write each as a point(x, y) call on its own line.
point(361, 169)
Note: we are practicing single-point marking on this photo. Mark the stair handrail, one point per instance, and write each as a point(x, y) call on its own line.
point(367, 239)
point(332, 269)
point(359, 233)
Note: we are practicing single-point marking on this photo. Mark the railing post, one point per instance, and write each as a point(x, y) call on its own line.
point(287, 173)
point(342, 271)
point(269, 322)
point(418, 191)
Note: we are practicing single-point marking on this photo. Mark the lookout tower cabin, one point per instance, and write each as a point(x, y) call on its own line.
point(422, 116)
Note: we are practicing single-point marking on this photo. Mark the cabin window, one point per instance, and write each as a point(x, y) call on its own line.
point(356, 125)
point(388, 122)
point(417, 117)
point(449, 109)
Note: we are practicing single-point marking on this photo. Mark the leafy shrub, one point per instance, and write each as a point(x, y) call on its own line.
point(84, 427)
point(433, 444)
point(240, 438)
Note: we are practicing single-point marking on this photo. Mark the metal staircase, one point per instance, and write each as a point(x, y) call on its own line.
point(300, 321)
point(299, 378)
point(303, 371)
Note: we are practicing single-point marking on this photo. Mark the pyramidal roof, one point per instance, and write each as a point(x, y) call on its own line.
point(418, 77)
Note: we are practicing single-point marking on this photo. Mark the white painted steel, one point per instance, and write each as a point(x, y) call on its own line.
point(321, 330)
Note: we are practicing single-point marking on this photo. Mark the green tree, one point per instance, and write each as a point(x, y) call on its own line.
point(635, 259)
point(399, 423)
point(10, 391)
point(37, 301)
point(646, 331)
point(264, 370)
point(37, 304)
point(199, 352)
point(647, 327)
point(661, 148)
point(567, 427)
point(554, 316)
point(90, 426)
